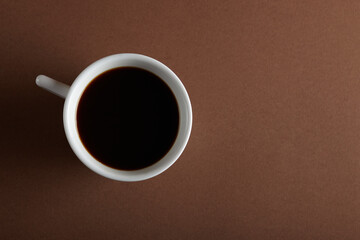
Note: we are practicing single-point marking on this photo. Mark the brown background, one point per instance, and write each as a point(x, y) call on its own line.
point(275, 147)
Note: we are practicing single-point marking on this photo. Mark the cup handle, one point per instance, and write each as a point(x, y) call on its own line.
point(53, 86)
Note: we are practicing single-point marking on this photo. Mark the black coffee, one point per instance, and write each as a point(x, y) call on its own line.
point(128, 118)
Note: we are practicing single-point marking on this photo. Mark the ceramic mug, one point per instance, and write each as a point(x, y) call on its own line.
point(73, 93)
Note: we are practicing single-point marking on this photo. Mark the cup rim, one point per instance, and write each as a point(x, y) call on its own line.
point(127, 60)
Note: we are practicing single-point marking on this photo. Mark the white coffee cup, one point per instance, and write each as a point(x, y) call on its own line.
point(72, 97)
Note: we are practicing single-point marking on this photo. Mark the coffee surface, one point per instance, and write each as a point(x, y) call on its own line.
point(128, 118)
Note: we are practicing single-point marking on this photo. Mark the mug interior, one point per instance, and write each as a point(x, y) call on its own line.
point(127, 60)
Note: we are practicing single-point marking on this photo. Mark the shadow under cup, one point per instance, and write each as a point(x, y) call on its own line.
point(91, 81)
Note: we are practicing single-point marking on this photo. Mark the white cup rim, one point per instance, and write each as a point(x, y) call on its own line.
point(127, 60)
